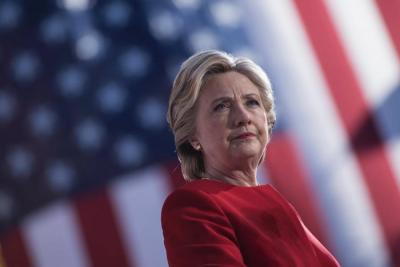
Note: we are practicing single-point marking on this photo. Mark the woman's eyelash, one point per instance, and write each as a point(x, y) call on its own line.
point(220, 106)
point(253, 101)
point(223, 105)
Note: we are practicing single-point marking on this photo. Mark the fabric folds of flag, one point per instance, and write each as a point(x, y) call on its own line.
point(87, 158)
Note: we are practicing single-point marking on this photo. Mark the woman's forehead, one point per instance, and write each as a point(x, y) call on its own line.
point(229, 84)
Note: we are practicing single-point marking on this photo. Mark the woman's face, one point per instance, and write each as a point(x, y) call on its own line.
point(231, 122)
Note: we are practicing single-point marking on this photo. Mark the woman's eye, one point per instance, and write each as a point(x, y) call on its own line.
point(221, 106)
point(253, 102)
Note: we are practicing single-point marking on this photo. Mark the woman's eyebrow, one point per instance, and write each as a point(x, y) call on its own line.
point(221, 99)
point(227, 98)
point(251, 95)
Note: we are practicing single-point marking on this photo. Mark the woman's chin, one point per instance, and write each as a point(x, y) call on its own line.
point(246, 153)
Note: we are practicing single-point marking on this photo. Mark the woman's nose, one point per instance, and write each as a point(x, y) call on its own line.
point(241, 115)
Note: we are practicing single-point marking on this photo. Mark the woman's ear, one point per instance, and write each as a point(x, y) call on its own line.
point(195, 144)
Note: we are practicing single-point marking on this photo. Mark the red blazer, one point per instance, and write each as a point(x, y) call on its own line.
point(210, 223)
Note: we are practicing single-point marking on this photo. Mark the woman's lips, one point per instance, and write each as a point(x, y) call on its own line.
point(244, 136)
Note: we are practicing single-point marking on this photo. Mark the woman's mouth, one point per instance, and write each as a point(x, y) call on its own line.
point(244, 136)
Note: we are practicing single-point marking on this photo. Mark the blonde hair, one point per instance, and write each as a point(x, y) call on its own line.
point(181, 115)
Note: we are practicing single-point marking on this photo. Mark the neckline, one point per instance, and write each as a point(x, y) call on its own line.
point(232, 185)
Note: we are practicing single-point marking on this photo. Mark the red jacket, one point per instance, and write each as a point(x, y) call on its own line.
point(210, 223)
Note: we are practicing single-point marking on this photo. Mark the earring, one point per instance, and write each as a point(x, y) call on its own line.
point(197, 147)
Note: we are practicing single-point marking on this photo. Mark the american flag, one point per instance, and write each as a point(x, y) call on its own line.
point(86, 157)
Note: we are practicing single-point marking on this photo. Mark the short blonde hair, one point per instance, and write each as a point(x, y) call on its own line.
point(181, 115)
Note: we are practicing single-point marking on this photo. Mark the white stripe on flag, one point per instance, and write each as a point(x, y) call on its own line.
point(262, 174)
point(53, 239)
point(374, 59)
point(351, 220)
point(368, 46)
point(137, 201)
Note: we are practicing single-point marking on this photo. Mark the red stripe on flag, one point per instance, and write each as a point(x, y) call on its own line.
point(100, 230)
point(356, 116)
point(288, 175)
point(390, 10)
point(14, 250)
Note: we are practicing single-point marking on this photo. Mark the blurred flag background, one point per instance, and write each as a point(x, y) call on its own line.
point(86, 157)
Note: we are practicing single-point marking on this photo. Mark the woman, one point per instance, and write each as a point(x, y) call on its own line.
point(221, 111)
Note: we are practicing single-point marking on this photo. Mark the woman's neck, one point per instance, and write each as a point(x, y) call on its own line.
point(235, 177)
